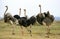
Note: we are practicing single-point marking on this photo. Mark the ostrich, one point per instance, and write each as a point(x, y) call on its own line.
point(21, 18)
point(24, 22)
point(45, 19)
point(27, 23)
point(48, 20)
point(6, 15)
point(8, 18)
point(40, 17)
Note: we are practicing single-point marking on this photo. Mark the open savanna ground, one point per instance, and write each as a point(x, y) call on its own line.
point(38, 31)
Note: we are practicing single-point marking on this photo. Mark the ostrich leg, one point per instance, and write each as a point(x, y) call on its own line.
point(29, 30)
point(22, 30)
point(13, 27)
point(48, 31)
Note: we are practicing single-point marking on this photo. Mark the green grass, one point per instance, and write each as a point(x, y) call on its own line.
point(38, 31)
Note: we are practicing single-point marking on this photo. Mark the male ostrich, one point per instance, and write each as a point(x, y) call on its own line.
point(45, 19)
point(21, 18)
point(24, 22)
point(8, 18)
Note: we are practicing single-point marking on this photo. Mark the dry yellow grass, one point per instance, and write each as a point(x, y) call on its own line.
point(38, 32)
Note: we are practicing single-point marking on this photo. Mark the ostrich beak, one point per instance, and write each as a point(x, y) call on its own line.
point(20, 9)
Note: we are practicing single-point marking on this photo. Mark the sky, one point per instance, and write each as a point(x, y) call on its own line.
point(31, 6)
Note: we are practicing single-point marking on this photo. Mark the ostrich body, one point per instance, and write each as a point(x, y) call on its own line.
point(48, 18)
point(8, 18)
point(45, 19)
point(48, 21)
point(40, 17)
point(27, 22)
point(24, 22)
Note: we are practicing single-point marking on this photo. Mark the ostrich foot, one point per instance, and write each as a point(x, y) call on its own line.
point(13, 33)
point(47, 36)
point(31, 35)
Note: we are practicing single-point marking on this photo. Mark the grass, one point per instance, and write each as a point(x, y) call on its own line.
point(38, 31)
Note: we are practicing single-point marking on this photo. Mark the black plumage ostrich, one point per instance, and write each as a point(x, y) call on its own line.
point(8, 18)
point(21, 19)
point(27, 23)
point(45, 19)
point(24, 22)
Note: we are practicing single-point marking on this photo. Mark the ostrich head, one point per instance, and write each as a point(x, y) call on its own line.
point(6, 6)
point(6, 10)
point(40, 8)
point(39, 5)
point(25, 12)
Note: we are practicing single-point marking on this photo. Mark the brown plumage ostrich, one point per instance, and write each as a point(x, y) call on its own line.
point(45, 19)
point(48, 20)
point(40, 16)
point(8, 18)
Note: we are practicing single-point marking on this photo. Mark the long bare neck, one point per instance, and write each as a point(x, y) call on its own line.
point(19, 11)
point(6, 10)
point(25, 12)
point(40, 8)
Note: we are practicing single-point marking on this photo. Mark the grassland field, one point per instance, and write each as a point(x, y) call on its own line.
point(38, 31)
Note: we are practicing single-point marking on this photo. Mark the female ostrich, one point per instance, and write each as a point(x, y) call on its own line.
point(45, 19)
point(8, 18)
point(48, 20)
point(7, 15)
point(40, 17)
